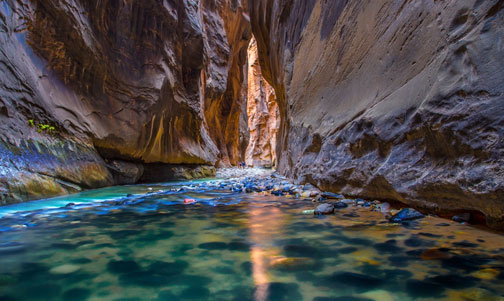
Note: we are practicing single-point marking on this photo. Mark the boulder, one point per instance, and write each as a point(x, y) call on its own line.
point(406, 215)
point(324, 209)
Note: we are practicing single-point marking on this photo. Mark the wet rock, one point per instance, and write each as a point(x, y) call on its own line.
point(348, 201)
point(277, 192)
point(340, 205)
point(324, 209)
point(125, 172)
point(461, 218)
point(385, 207)
point(330, 195)
point(406, 215)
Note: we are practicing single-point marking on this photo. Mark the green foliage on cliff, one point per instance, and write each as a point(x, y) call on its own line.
point(42, 127)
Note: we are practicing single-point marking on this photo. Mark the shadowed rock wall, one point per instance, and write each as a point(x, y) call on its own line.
point(388, 99)
point(140, 81)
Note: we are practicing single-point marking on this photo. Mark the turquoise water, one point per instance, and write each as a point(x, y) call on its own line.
point(142, 243)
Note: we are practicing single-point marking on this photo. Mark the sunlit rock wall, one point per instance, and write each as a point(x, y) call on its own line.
point(263, 114)
point(137, 81)
point(388, 99)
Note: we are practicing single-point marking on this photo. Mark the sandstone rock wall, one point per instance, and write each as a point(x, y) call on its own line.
point(390, 99)
point(263, 114)
point(143, 81)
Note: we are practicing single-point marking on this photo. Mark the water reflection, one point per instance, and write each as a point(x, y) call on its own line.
point(266, 223)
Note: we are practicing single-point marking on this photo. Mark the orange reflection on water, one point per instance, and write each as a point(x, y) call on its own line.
point(265, 224)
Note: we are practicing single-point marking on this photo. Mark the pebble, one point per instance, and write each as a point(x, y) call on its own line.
point(65, 269)
point(486, 274)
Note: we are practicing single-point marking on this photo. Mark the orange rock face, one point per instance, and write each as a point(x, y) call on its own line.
point(263, 114)
point(142, 81)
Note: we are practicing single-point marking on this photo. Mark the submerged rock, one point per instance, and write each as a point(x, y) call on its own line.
point(406, 215)
point(324, 209)
point(65, 269)
point(486, 274)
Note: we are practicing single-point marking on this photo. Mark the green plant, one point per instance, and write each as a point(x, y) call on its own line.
point(45, 128)
point(31, 123)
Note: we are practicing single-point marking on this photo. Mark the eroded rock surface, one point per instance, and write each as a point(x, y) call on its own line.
point(140, 81)
point(263, 114)
point(386, 99)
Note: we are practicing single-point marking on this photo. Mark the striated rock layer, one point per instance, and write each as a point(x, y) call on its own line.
point(263, 114)
point(86, 83)
point(388, 99)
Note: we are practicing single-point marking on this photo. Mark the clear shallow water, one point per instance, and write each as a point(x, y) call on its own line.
point(228, 246)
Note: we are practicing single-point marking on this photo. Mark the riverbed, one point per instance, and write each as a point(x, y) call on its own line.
point(142, 242)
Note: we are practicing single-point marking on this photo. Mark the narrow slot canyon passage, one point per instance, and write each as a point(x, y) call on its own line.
point(372, 134)
point(263, 114)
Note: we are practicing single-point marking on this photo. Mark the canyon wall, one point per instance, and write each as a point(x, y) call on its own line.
point(94, 92)
point(263, 114)
point(399, 100)
point(392, 100)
